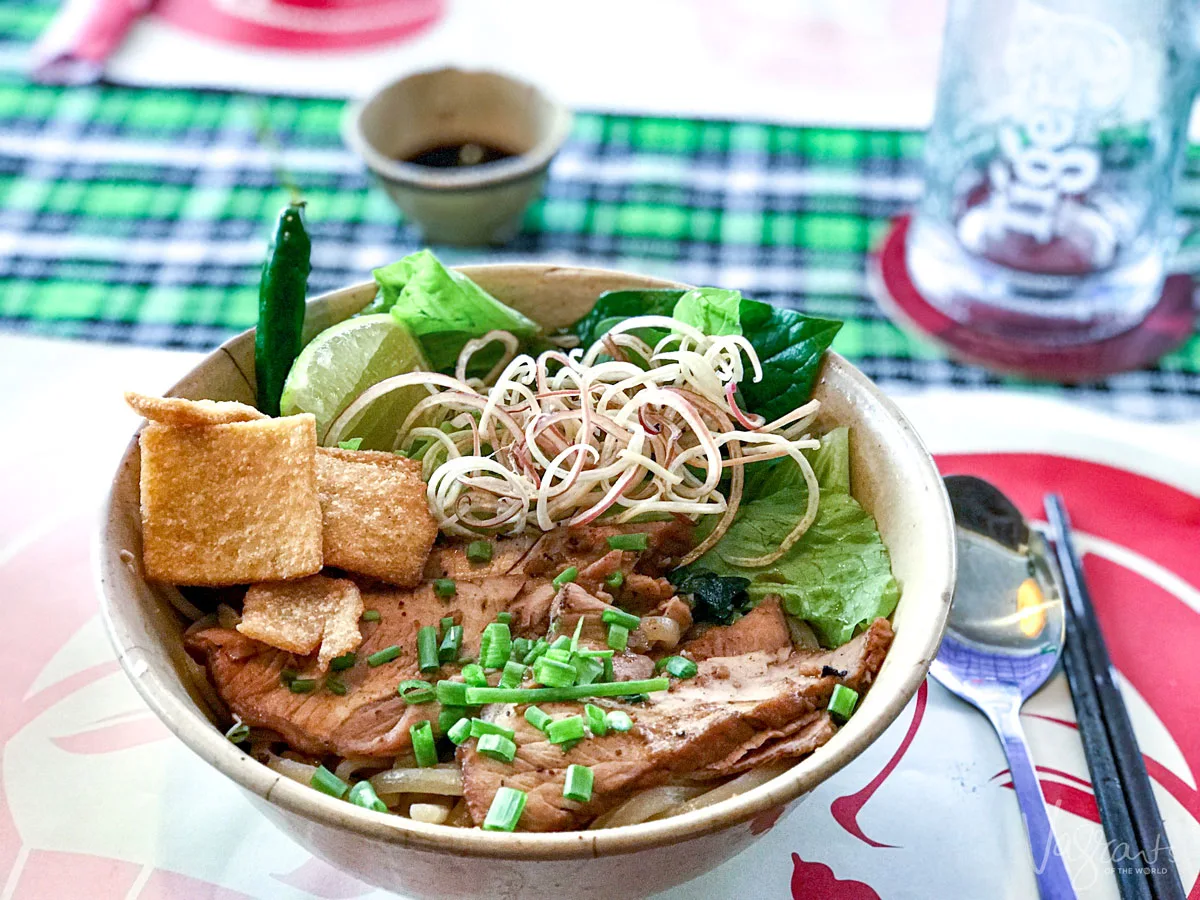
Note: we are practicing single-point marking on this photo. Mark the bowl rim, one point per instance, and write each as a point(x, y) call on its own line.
point(197, 733)
point(519, 167)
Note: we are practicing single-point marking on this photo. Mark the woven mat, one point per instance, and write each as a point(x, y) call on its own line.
point(141, 216)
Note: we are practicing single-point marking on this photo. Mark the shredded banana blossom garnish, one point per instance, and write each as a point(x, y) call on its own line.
point(616, 432)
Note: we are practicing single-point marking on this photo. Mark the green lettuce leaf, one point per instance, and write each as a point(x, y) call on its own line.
point(444, 309)
point(838, 576)
point(613, 307)
point(714, 311)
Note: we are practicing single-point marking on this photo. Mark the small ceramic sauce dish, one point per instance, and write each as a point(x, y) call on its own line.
point(461, 153)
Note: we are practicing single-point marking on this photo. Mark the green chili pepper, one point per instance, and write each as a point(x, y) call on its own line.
point(281, 294)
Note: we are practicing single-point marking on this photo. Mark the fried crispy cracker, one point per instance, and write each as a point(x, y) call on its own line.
point(178, 411)
point(300, 615)
point(230, 504)
point(377, 521)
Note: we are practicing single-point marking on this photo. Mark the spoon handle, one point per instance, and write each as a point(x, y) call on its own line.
point(1053, 881)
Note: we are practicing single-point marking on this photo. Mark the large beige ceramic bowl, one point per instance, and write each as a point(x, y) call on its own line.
point(893, 477)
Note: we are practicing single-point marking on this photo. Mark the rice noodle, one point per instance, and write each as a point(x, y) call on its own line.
point(645, 805)
point(732, 788)
point(430, 813)
point(290, 768)
point(613, 432)
point(352, 764)
point(444, 781)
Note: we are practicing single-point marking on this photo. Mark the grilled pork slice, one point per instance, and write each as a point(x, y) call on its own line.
point(370, 720)
point(737, 712)
point(763, 628)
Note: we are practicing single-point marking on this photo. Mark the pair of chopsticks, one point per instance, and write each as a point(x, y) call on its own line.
point(1143, 863)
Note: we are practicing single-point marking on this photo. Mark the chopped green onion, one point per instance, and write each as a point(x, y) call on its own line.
point(615, 580)
point(352, 444)
point(608, 675)
point(287, 676)
point(587, 669)
point(451, 693)
point(422, 743)
point(618, 720)
point(451, 716)
point(479, 728)
point(552, 673)
point(562, 642)
point(451, 644)
point(477, 696)
point(238, 733)
point(520, 646)
point(505, 811)
point(302, 685)
point(560, 731)
point(537, 717)
point(595, 654)
point(427, 649)
point(578, 632)
point(620, 617)
point(447, 624)
point(363, 794)
point(386, 655)
point(474, 675)
point(679, 666)
point(505, 617)
point(445, 587)
point(328, 783)
point(496, 746)
point(578, 786)
point(414, 691)
point(343, 662)
point(618, 637)
point(842, 702)
point(536, 651)
point(562, 656)
point(499, 646)
point(480, 551)
point(335, 685)
point(371, 615)
point(514, 674)
point(596, 721)
point(566, 576)
point(636, 541)
point(460, 732)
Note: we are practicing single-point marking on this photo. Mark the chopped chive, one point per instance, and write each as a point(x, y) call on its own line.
point(620, 617)
point(451, 716)
point(505, 811)
point(520, 646)
point(562, 642)
point(537, 717)
point(608, 675)
point(352, 444)
point(460, 732)
point(343, 662)
point(386, 655)
point(302, 685)
point(504, 617)
point(588, 669)
point(422, 743)
point(328, 783)
point(238, 732)
point(514, 674)
point(679, 666)
point(552, 673)
point(562, 656)
point(335, 685)
point(480, 551)
point(445, 587)
point(287, 676)
point(636, 541)
point(479, 728)
point(566, 576)
point(618, 720)
point(536, 651)
point(842, 702)
point(499, 646)
point(560, 731)
point(414, 691)
point(496, 746)
point(427, 649)
point(618, 637)
point(596, 720)
point(371, 615)
point(447, 624)
point(477, 696)
point(474, 675)
point(451, 644)
point(615, 580)
point(363, 794)
point(578, 632)
point(595, 654)
point(578, 786)
point(452, 693)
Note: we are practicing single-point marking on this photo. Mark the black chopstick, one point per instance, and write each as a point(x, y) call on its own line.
point(1108, 736)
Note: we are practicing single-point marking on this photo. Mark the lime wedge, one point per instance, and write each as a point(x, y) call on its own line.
point(343, 361)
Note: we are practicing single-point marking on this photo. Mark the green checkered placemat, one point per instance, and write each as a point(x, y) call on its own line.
point(141, 216)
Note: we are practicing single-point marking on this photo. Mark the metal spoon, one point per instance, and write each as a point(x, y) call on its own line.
point(1003, 640)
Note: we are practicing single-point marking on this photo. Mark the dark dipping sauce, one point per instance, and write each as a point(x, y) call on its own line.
point(455, 156)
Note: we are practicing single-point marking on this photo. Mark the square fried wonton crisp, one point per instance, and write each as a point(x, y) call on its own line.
point(178, 411)
point(230, 504)
point(299, 616)
point(377, 521)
